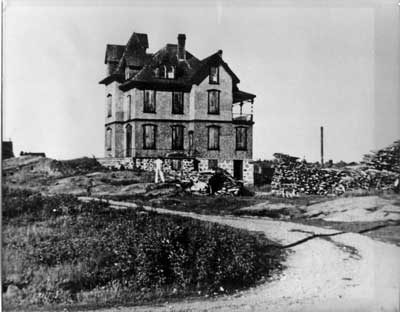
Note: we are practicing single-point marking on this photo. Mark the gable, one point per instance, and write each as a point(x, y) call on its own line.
point(204, 69)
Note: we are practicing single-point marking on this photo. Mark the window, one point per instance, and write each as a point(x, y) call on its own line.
point(213, 138)
point(149, 136)
point(129, 107)
point(191, 140)
point(214, 75)
point(109, 105)
point(177, 102)
point(157, 73)
point(177, 137)
point(108, 139)
point(241, 138)
point(163, 71)
point(213, 101)
point(149, 101)
point(176, 164)
point(128, 140)
point(213, 164)
point(171, 72)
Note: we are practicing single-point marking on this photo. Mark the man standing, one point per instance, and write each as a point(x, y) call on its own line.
point(158, 169)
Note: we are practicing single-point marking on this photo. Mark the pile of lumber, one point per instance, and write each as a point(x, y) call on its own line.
point(293, 177)
point(217, 182)
point(385, 159)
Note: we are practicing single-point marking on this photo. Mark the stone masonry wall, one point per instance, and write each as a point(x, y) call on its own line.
point(147, 164)
point(248, 172)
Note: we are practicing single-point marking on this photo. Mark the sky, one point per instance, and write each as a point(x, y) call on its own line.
point(309, 63)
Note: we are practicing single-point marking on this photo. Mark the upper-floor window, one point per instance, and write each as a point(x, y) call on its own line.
point(213, 101)
point(149, 136)
point(213, 138)
point(177, 102)
point(128, 73)
point(162, 72)
point(149, 101)
point(171, 72)
point(129, 106)
point(241, 138)
point(214, 75)
point(109, 105)
point(165, 71)
point(108, 139)
point(177, 137)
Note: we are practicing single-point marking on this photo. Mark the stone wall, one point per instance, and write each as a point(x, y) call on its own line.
point(147, 164)
point(227, 164)
point(248, 172)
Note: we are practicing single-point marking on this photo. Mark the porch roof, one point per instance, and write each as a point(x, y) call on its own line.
point(241, 96)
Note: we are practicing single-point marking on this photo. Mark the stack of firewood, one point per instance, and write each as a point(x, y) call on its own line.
point(378, 171)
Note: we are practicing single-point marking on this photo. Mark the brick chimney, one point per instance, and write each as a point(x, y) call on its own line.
point(181, 47)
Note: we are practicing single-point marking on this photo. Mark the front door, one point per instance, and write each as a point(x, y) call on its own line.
point(238, 169)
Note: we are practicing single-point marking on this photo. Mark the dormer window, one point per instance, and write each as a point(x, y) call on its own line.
point(171, 72)
point(214, 75)
point(163, 71)
point(109, 105)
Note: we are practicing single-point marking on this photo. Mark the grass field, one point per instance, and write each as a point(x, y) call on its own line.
point(58, 252)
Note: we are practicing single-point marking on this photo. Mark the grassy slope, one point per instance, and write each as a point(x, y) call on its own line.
point(59, 252)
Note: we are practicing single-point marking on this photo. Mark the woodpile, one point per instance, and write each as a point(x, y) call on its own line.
point(379, 171)
point(385, 159)
point(217, 182)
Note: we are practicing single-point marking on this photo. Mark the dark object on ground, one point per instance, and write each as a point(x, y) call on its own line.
point(263, 172)
point(221, 182)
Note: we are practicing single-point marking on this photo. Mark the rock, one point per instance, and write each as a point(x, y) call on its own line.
point(167, 190)
point(199, 187)
point(15, 278)
point(12, 291)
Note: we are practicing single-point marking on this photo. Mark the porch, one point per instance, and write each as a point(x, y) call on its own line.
point(242, 108)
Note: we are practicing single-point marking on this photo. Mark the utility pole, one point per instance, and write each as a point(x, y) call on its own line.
point(322, 146)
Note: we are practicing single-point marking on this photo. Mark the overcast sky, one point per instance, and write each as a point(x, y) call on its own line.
point(310, 65)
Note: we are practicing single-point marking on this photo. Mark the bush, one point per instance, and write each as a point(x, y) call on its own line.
point(81, 165)
point(94, 247)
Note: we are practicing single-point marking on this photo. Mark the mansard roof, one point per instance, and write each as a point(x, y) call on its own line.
point(113, 53)
point(188, 71)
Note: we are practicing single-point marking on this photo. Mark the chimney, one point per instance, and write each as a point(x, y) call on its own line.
point(181, 47)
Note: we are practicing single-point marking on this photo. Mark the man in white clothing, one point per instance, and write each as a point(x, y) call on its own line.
point(158, 169)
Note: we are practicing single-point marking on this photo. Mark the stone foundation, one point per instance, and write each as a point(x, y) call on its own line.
point(248, 172)
point(170, 165)
point(179, 165)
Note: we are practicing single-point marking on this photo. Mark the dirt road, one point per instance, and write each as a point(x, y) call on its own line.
point(347, 272)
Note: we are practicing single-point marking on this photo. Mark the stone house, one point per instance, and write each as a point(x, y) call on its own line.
point(173, 105)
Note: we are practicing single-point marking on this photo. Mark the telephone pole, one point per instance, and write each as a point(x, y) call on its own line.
point(322, 146)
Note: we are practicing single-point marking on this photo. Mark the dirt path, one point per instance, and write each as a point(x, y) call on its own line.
point(347, 272)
